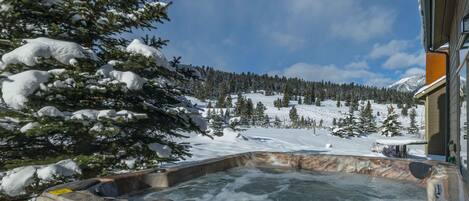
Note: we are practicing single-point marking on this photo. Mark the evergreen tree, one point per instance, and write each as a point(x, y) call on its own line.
point(413, 128)
point(249, 110)
point(317, 102)
point(404, 110)
point(286, 96)
point(293, 114)
point(221, 97)
point(259, 113)
point(228, 101)
point(99, 102)
point(278, 103)
point(266, 122)
point(277, 122)
point(348, 127)
point(334, 121)
point(391, 126)
point(300, 101)
point(367, 120)
point(216, 124)
point(338, 104)
point(240, 105)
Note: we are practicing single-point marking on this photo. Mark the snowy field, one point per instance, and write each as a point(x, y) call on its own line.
point(277, 139)
point(327, 111)
point(286, 140)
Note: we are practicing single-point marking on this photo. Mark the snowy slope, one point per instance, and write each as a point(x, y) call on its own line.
point(414, 83)
point(327, 111)
point(283, 140)
point(409, 84)
point(275, 139)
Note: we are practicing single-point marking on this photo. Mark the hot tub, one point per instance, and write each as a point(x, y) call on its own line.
point(277, 176)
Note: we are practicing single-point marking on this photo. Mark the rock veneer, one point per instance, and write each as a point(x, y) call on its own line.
point(443, 181)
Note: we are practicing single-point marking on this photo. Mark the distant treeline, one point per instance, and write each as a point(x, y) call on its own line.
point(215, 84)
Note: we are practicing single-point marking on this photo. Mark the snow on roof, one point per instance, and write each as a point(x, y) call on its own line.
point(63, 51)
point(428, 88)
point(139, 47)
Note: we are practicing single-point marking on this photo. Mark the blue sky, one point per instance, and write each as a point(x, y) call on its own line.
point(372, 42)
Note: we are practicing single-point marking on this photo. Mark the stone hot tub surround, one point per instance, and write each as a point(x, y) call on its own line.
point(443, 181)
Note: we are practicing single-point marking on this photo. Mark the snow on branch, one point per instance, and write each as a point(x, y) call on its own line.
point(139, 47)
point(16, 88)
point(63, 51)
point(131, 79)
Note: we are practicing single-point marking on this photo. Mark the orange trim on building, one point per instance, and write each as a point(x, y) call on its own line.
point(436, 66)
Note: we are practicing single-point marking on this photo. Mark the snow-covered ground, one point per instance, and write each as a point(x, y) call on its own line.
point(276, 139)
point(327, 111)
point(285, 140)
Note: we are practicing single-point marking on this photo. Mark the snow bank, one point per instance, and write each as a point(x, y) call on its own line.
point(63, 51)
point(14, 182)
point(230, 135)
point(16, 88)
point(139, 47)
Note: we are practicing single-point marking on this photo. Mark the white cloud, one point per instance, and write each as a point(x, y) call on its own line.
point(365, 24)
point(315, 72)
point(347, 19)
point(404, 60)
point(414, 71)
point(357, 65)
point(388, 49)
point(287, 40)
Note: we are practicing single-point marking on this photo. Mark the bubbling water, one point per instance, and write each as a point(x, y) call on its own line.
point(253, 184)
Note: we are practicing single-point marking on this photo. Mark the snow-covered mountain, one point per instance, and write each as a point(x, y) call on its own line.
point(409, 84)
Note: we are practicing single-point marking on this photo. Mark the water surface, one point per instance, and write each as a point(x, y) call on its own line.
point(254, 184)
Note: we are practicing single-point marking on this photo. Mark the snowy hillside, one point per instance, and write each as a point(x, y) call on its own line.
point(409, 84)
point(327, 111)
point(280, 139)
point(414, 82)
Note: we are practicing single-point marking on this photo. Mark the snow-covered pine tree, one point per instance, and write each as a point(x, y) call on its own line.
point(228, 101)
point(277, 122)
point(240, 105)
point(413, 128)
point(266, 122)
point(293, 114)
point(367, 120)
point(349, 126)
point(404, 110)
point(259, 113)
point(216, 123)
point(391, 126)
point(74, 88)
point(286, 96)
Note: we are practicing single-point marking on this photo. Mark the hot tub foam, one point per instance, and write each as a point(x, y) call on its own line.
point(442, 180)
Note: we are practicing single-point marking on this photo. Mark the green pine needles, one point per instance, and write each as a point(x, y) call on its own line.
point(111, 100)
